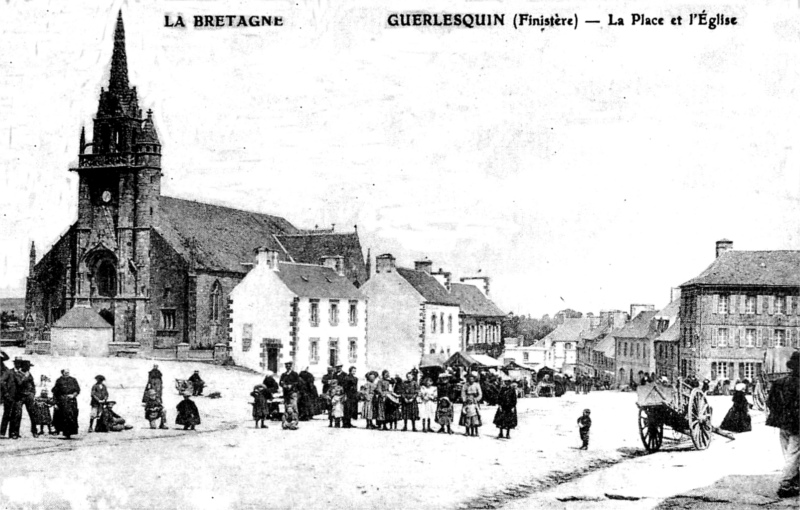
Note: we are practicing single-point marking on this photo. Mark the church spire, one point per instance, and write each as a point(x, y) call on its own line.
point(32, 261)
point(119, 60)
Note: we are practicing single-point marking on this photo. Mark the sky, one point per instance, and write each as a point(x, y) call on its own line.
point(585, 169)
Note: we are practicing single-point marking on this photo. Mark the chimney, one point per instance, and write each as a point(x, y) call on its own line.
point(482, 282)
point(335, 262)
point(266, 257)
point(384, 263)
point(443, 277)
point(724, 245)
point(674, 294)
point(423, 265)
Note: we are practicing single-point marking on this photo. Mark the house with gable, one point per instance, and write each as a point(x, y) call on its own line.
point(410, 314)
point(309, 314)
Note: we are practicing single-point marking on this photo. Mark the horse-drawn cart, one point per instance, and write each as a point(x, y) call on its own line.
point(685, 410)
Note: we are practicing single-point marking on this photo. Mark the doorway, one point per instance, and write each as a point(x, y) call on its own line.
point(272, 359)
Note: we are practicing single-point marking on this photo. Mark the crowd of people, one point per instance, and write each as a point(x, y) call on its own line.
point(383, 401)
point(18, 395)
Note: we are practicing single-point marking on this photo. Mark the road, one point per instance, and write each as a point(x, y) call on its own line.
point(228, 463)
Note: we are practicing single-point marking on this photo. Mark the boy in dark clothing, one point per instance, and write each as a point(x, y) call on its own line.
point(584, 424)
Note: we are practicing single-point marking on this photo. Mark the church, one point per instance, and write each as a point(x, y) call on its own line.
point(158, 269)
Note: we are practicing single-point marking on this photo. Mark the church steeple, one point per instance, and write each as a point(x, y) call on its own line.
point(119, 60)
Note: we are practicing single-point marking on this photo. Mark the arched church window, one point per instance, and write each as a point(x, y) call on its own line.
point(216, 300)
point(106, 279)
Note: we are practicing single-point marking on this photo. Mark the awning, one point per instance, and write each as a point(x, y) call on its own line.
point(433, 360)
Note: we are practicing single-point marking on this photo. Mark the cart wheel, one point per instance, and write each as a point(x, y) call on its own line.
point(699, 419)
point(650, 430)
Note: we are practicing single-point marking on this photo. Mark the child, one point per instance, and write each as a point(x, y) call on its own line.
point(290, 421)
point(584, 423)
point(188, 415)
point(444, 415)
point(470, 417)
point(41, 412)
point(336, 394)
point(260, 405)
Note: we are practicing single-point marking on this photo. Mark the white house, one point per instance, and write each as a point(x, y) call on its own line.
point(529, 356)
point(309, 314)
point(410, 314)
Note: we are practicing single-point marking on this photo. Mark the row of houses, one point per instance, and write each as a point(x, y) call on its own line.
point(719, 325)
point(314, 316)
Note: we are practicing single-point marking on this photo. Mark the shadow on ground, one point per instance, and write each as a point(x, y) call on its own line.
point(735, 491)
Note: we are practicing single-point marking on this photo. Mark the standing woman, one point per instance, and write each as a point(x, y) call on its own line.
point(65, 392)
point(367, 394)
point(506, 415)
point(738, 417)
point(307, 403)
point(470, 414)
point(384, 407)
point(409, 405)
point(429, 396)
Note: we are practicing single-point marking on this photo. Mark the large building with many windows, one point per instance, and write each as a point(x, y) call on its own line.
point(743, 305)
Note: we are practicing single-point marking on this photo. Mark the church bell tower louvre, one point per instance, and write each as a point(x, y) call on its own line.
point(119, 187)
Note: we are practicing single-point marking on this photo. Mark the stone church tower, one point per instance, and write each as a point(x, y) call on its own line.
point(119, 186)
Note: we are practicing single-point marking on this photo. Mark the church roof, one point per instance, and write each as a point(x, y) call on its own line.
point(311, 281)
point(473, 302)
point(427, 286)
point(81, 317)
point(218, 238)
point(309, 248)
point(758, 268)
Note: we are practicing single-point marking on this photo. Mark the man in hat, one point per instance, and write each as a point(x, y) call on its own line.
point(784, 413)
point(26, 394)
point(65, 392)
point(197, 383)
point(109, 420)
point(290, 382)
point(8, 381)
point(99, 397)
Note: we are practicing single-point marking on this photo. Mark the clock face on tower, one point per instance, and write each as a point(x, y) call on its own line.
point(106, 196)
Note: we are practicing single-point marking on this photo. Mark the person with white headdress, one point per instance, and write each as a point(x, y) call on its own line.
point(738, 417)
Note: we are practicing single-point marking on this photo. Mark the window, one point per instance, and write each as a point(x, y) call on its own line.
point(722, 337)
point(333, 352)
point(216, 300)
point(168, 319)
point(433, 323)
point(722, 370)
point(352, 350)
point(106, 279)
point(567, 346)
point(780, 338)
point(334, 313)
point(722, 305)
point(353, 314)
point(441, 323)
point(449, 323)
point(314, 312)
point(247, 337)
point(314, 354)
point(638, 350)
point(750, 337)
point(749, 371)
point(660, 350)
point(780, 304)
point(750, 305)
point(625, 348)
point(525, 356)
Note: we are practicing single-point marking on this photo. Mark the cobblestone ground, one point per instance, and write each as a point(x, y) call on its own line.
point(229, 464)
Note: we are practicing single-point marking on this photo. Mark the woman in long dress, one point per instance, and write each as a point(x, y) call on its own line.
point(307, 403)
point(506, 416)
point(367, 394)
point(471, 414)
point(65, 392)
point(429, 396)
point(738, 417)
point(385, 406)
